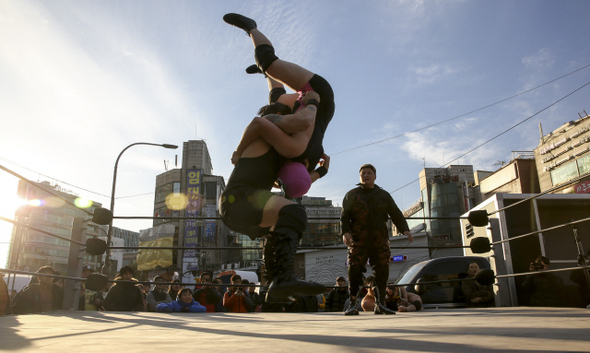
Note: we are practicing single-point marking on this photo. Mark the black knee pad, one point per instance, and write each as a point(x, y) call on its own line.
point(275, 93)
point(264, 55)
point(293, 217)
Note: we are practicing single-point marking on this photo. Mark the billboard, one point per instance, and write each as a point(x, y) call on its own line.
point(193, 228)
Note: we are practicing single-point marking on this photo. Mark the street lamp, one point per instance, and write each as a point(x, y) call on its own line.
point(110, 233)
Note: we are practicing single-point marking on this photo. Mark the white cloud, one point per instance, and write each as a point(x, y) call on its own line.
point(432, 73)
point(439, 148)
point(541, 61)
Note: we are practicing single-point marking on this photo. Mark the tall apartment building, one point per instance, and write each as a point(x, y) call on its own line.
point(201, 191)
point(563, 158)
point(445, 192)
point(31, 249)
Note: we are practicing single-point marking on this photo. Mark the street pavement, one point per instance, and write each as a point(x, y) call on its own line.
point(517, 329)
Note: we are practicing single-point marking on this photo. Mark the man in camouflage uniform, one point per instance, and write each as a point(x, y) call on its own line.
point(365, 211)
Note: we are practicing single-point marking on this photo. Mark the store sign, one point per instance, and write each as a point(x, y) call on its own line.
point(193, 227)
point(582, 188)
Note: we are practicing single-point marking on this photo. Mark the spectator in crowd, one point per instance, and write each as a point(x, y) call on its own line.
point(59, 281)
point(207, 296)
point(184, 304)
point(235, 300)
point(219, 308)
point(89, 300)
point(542, 289)
point(476, 294)
point(41, 296)
point(255, 298)
point(158, 294)
point(391, 298)
point(579, 277)
point(174, 289)
point(249, 291)
point(145, 289)
point(337, 297)
point(406, 301)
point(125, 296)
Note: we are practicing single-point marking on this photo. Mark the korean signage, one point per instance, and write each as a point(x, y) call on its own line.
point(193, 227)
point(582, 188)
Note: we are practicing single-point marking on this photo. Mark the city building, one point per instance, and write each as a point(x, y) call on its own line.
point(191, 192)
point(519, 176)
point(563, 158)
point(31, 248)
point(323, 222)
point(446, 193)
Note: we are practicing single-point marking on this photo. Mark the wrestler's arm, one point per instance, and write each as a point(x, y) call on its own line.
point(285, 144)
point(293, 122)
point(324, 162)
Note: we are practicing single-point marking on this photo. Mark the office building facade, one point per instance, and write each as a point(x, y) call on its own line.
point(191, 192)
point(563, 158)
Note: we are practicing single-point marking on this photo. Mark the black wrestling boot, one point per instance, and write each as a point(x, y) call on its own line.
point(270, 271)
point(285, 282)
point(380, 308)
point(353, 307)
point(243, 22)
point(253, 69)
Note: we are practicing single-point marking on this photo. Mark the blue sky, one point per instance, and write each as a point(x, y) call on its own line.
point(83, 79)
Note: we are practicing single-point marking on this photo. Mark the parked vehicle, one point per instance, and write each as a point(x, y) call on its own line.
point(440, 295)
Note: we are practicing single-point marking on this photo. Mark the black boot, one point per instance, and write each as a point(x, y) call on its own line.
point(270, 271)
point(285, 282)
point(380, 308)
point(243, 22)
point(353, 307)
point(253, 69)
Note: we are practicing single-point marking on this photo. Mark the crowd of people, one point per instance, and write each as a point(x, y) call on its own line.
point(44, 293)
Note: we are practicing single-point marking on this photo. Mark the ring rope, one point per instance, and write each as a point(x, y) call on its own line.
point(548, 191)
point(543, 271)
point(542, 230)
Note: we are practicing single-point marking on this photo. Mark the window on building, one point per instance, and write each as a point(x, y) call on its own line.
point(210, 189)
point(564, 173)
point(163, 191)
point(584, 164)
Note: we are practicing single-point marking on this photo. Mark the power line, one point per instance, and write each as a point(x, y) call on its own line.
point(462, 115)
point(52, 178)
point(72, 185)
point(502, 133)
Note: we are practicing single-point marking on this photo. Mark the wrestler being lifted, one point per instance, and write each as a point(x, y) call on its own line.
point(292, 126)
